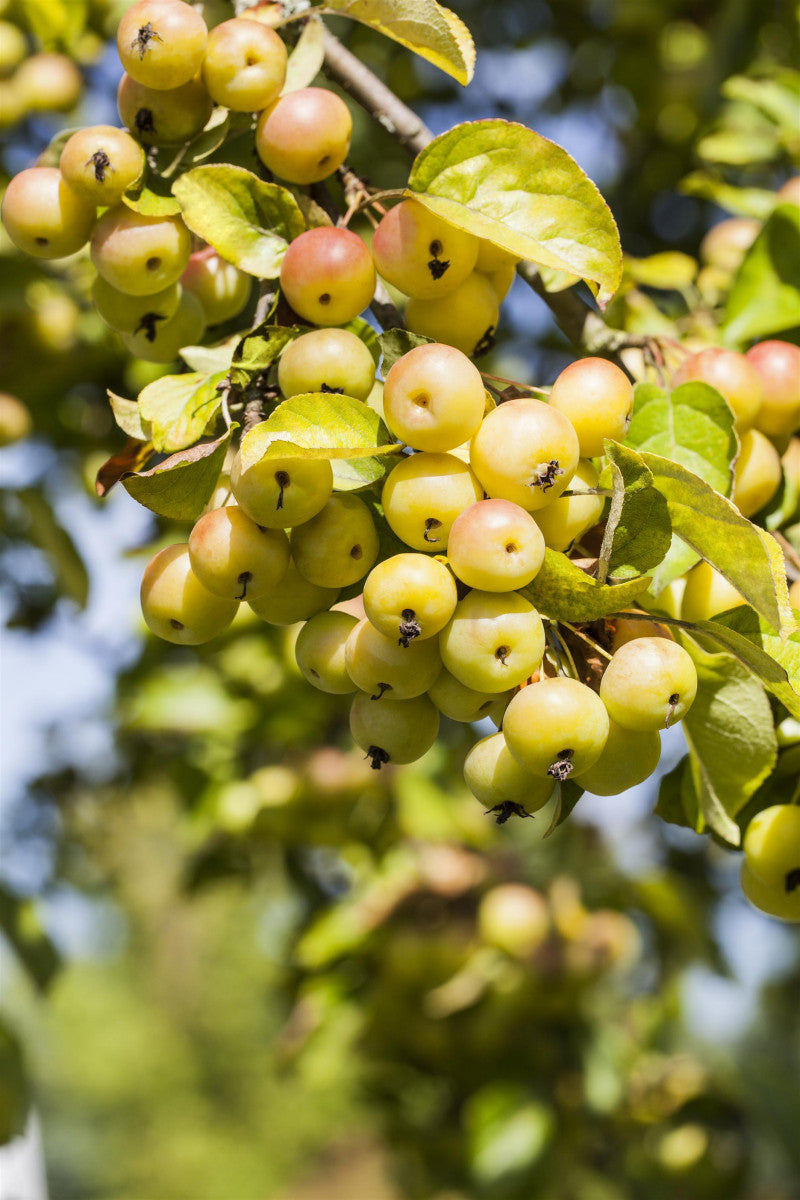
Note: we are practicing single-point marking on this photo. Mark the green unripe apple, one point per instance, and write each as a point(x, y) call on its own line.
point(757, 474)
point(495, 777)
point(282, 492)
point(381, 666)
point(326, 360)
point(161, 341)
point(461, 703)
point(164, 118)
point(295, 600)
point(393, 731)
point(514, 917)
point(493, 642)
point(101, 163)
point(556, 728)
point(650, 683)
point(137, 254)
point(772, 847)
point(628, 757)
point(234, 557)
point(44, 216)
point(221, 288)
point(320, 652)
point(339, 545)
point(773, 901)
point(422, 496)
point(707, 593)
point(568, 518)
point(134, 314)
point(465, 318)
point(176, 606)
point(410, 596)
point(49, 83)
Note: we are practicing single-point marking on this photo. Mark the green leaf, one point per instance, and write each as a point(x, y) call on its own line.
point(248, 221)
point(219, 126)
point(677, 805)
point(501, 181)
point(739, 147)
point(731, 739)
point(775, 660)
point(693, 425)
point(669, 270)
point(46, 531)
point(179, 408)
point(742, 202)
point(679, 559)
point(128, 416)
point(430, 30)
point(564, 592)
point(151, 203)
point(258, 351)
point(305, 61)
point(567, 795)
point(765, 297)
point(15, 1094)
point(210, 358)
point(181, 485)
point(714, 527)
point(20, 923)
point(638, 531)
point(778, 99)
point(363, 330)
point(395, 343)
point(51, 155)
point(320, 425)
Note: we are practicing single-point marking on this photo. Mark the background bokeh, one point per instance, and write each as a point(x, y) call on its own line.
point(238, 965)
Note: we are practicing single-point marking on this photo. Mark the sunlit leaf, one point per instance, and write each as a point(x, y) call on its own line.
point(564, 592)
point(765, 297)
point(181, 485)
point(638, 531)
point(430, 30)
point(179, 408)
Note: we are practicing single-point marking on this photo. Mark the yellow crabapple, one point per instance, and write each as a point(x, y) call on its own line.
point(234, 557)
point(495, 777)
point(628, 629)
point(597, 398)
point(421, 254)
point(794, 594)
point(138, 254)
point(757, 474)
point(734, 377)
point(556, 727)
point(493, 258)
point(465, 318)
point(13, 48)
point(772, 847)
point(461, 703)
point(707, 593)
point(220, 287)
point(380, 665)
point(393, 731)
point(131, 314)
point(495, 546)
point(161, 43)
point(282, 492)
point(568, 518)
point(304, 136)
point(628, 757)
point(422, 496)
point(15, 419)
point(295, 600)
point(160, 341)
point(409, 596)
point(44, 216)
point(670, 598)
point(501, 281)
point(320, 652)
point(514, 917)
point(525, 451)
point(49, 83)
point(727, 242)
point(650, 683)
point(326, 360)
point(176, 606)
point(327, 275)
point(101, 163)
point(164, 118)
point(433, 398)
point(244, 67)
point(778, 364)
point(493, 642)
point(339, 545)
point(773, 901)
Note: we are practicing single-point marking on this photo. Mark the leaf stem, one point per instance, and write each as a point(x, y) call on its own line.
point(586, 638)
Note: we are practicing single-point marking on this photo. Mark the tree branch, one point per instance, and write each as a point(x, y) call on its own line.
point(577, 319)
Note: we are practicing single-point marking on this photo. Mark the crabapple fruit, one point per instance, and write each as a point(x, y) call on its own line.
point(461, 703)
point(757, 474)
point(515, 918)
point(567, 519)
point(556, 727)
point(650, 683)
point(422, 496)
point(707, 593)
point(15, 420)
point(794, 594)
point(49, 83)
point(727, 242)
point(394, 731)
point(320, 652)
point(628, 757)
point(295, 600)
point(525, 451)
point(778, 364)
point(222, 289)
point(234, 557)
point(772, 847)
point(305, 135)
point(493, 258)
point(138, 254)
point(244, 67)
point(164, 118)
point(176, 606)
point(131, 314)
point(326, 360)
point(44, 216)
point(380, 665)
point(161, 43)
point(101, 163)
point(495, 777)
point(433, 398)
point(501, 281)
point(493, 642)
point(339, 545)
point(420, 254)
point(734, 377)
point(773, 901)
point(410, 596)
point(281, 492)
point(465, 318)
point(327, 275)
point(597, 398)
point(495, 546)
point(160, 342)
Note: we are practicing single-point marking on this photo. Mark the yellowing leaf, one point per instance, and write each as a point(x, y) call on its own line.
point(501, 181)
point(305, 61)
point(178, 408)
point(430, 30)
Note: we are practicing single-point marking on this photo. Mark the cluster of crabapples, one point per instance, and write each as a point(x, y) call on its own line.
point(446, 628)
point(154, 286)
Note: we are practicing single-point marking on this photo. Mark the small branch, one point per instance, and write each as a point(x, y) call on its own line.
point(789, 552)
point(342, 66)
